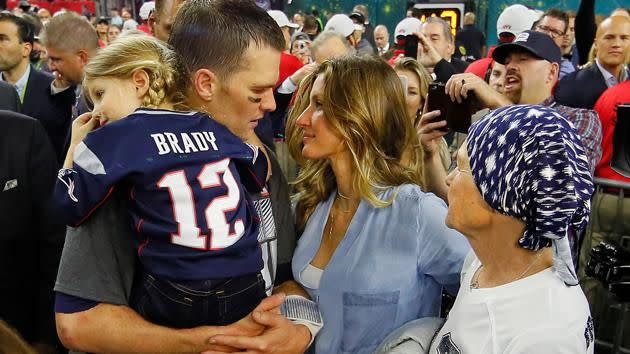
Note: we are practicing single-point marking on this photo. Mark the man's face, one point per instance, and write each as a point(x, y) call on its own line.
point(554, 27)
point(567, 41)
point(381, 37)
point(526, 77)
point(240, 101)
point(497, 77)
point(161, 23)
point(12, 51)
point(613, 41)
point(434, 32)
point(67, 64)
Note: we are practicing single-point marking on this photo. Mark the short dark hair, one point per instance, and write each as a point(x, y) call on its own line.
point(310, 21)
point(26, 30)
point(215, 34)
point(559, 14)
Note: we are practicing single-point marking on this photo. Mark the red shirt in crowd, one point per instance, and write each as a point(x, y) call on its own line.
point(606, 108)
point(289, 64)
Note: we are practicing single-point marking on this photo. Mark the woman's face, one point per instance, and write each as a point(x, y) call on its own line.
point(302, 50)
point(320, 141)
point(413, 98)
point(467, 210)
point(497, 77)
point(113, 33)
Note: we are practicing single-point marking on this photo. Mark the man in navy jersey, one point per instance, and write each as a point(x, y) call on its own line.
point(236, 89)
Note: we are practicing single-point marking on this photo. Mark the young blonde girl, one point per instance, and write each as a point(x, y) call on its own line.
point(184, 176)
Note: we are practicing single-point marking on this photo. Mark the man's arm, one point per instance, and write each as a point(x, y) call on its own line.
point(108, 328)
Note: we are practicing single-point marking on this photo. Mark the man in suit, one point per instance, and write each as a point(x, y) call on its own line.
point(33, 86)
point(30, 240)
point(437, 46)
point(70, 42)
point(9, 100)
point(582, 88)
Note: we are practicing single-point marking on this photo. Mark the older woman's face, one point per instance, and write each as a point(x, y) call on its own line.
point(413, 98)
point(467, 210)
point(320, 141)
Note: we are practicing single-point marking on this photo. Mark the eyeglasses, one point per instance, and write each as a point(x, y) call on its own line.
point(552, 32)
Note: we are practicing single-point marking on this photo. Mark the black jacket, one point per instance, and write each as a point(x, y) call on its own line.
point(53, 111)
point(9, 99)
point(30, 240)
point(443, 70)
point(581, 89)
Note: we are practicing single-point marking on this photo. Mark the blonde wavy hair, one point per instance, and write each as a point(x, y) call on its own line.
point(364, 104)
point(412, 65)
point(130, 53)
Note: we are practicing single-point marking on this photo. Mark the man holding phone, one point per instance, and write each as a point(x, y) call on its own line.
point(532, 65)
point(532, 68)
point(436, 48)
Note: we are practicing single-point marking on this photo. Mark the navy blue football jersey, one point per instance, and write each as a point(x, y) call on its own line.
point(185, 175)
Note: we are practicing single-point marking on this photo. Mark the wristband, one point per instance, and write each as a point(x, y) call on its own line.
point(301, 310)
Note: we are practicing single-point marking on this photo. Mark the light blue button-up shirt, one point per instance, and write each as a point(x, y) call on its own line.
point(610, 79)
point(20, 85)
point(388, 269)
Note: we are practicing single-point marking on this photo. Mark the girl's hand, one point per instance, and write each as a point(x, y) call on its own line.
point(81, 126)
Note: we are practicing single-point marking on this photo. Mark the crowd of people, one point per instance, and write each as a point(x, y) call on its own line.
point(219, 178)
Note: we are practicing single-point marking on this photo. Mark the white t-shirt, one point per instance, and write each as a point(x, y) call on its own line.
point(538, 314)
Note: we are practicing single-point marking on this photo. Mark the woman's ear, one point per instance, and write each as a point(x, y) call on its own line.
point(205, 84)
point(141, 81)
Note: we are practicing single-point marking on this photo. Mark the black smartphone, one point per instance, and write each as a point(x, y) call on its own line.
point(411, 46)
point(458, 116)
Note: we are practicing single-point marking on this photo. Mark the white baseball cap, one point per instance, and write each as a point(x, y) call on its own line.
point(342, 24)
point(515, 19)
point(409, 25)
point(145, 9)
point(281, 19)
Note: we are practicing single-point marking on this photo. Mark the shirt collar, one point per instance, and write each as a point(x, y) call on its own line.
point(385, 48)
point(549, 102)
point(610, 79)
point(20, 85)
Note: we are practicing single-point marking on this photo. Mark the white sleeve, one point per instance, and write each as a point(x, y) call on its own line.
point(55, 90)
point(287, 86)
point(549, 340)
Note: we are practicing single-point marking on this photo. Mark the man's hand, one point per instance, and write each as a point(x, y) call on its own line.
point(428, 56)
point(60, 82)
point(302, 72)
point(281, 337)
point(460, 85)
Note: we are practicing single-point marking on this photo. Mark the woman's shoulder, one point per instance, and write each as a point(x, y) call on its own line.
point(411, 195)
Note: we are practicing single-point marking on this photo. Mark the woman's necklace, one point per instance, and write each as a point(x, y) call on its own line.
point(475, 282)
point(332, 214)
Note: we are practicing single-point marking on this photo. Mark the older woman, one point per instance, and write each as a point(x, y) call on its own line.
point(522, 180)
point(374, 252)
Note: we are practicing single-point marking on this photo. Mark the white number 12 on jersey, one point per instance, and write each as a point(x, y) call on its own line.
point(189, 234)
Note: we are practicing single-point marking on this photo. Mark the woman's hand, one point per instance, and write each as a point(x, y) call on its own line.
point(428, 131)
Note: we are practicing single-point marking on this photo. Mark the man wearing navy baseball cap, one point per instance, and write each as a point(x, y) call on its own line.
point(532, 67)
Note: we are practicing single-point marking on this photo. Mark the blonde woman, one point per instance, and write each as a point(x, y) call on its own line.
point(374, 252)
point(418, 79)
point(184, 175)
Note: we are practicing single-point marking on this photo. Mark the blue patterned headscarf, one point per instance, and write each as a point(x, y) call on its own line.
point(529, 163)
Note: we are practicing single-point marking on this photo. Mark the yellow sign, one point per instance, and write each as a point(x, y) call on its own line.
point(451, 13)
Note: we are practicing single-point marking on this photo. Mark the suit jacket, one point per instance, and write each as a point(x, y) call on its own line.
point(444, 70)
point(53, 111)
point(30, 240)
point(581, 89)
point(9, 99)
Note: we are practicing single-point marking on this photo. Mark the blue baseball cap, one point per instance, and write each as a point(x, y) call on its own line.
point(539, 44)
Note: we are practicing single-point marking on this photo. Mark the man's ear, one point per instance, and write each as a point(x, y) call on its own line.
point(27, 48)
point(83, 56)
point(554, 72)
point(205, 84)
point(152, 21)
point(142, 83)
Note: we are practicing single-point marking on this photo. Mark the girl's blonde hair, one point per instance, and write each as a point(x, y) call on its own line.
point(364, 104)
point(130, 53)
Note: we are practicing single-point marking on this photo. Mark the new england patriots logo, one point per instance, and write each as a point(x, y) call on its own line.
point(447, 346)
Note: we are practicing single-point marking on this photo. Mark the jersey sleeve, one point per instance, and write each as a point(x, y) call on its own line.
point(252, 169)
point(98, 164)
